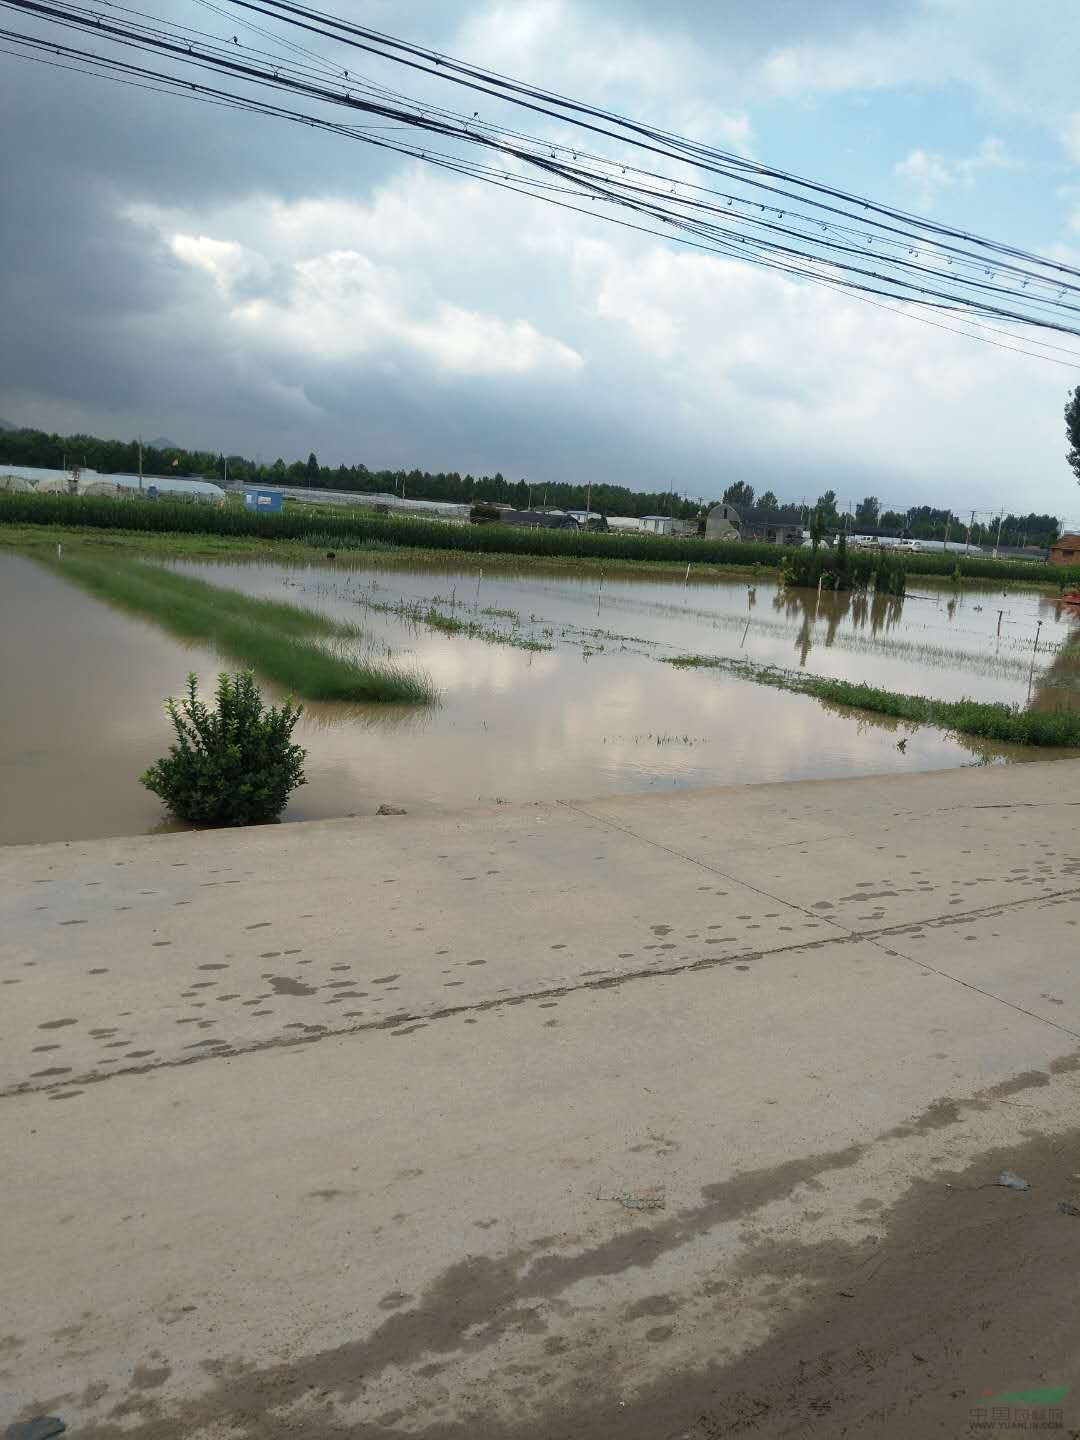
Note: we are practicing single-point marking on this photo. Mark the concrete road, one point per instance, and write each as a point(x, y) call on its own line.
point(638, 1118)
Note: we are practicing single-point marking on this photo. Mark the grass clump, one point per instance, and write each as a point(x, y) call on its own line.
point(428, 613)
point(280, 641)
point(988, 719)
point(235, 765)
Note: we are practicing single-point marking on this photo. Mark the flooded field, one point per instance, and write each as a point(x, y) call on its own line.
point(552, 687)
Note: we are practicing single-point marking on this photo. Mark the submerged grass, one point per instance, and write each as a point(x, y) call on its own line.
point(987, 719)
point(427, 613)
point(281, 642)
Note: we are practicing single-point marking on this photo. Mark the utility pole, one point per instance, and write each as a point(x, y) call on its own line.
point(948, 522)
point(140, 464)
point(997, 542)
point(971, 523)
point(588, 502)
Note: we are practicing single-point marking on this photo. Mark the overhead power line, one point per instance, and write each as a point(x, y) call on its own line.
point(648, 179)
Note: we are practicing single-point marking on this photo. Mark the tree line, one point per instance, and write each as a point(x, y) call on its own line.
point(924, 522)
point(119, 457)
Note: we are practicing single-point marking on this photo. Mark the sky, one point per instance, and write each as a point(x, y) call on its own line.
point(236, 283)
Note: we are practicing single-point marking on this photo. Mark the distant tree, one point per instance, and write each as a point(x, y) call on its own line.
point(867, 511)
point(827, 505)
point(739, 494)
point(312, 469)
point(1072, 429)
point(768, 501)
point(817, 526)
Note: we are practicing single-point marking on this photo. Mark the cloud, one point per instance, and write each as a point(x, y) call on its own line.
point(1018, 60)
point(992, 154)
point(256, 286)
point(927, 171)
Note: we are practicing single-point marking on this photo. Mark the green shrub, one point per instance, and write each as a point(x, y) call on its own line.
point(236, 765)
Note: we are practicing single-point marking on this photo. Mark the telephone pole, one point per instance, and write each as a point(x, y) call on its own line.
point(140, 464)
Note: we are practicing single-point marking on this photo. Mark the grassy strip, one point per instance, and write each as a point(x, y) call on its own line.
point(41, 540)
point(354, 531)
point(988, 719)
point(279, 641)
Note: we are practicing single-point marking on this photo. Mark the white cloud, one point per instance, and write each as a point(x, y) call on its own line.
point(992, 154)
point(657, 361)
point(341, 304)
point(1019, 58)
point(927, 171)
point(225, 261)
point(659, 72)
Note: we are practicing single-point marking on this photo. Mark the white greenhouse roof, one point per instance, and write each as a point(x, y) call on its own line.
point(35, 474)
point(164, 484)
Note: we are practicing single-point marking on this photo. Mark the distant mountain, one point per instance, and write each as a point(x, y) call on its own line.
point(161, 443)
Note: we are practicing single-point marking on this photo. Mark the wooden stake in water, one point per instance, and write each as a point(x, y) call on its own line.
point(453, 598)
point(1034, 652)
point(600, 591)
point(1000, 614)
point(686, 577)
point(479, 577)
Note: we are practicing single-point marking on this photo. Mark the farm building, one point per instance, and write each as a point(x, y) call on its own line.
point(255, 499)
point(722, 523)
point(1065, 551)
point(770, 526)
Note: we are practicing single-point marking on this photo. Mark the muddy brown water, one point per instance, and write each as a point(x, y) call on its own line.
point(597, 713)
